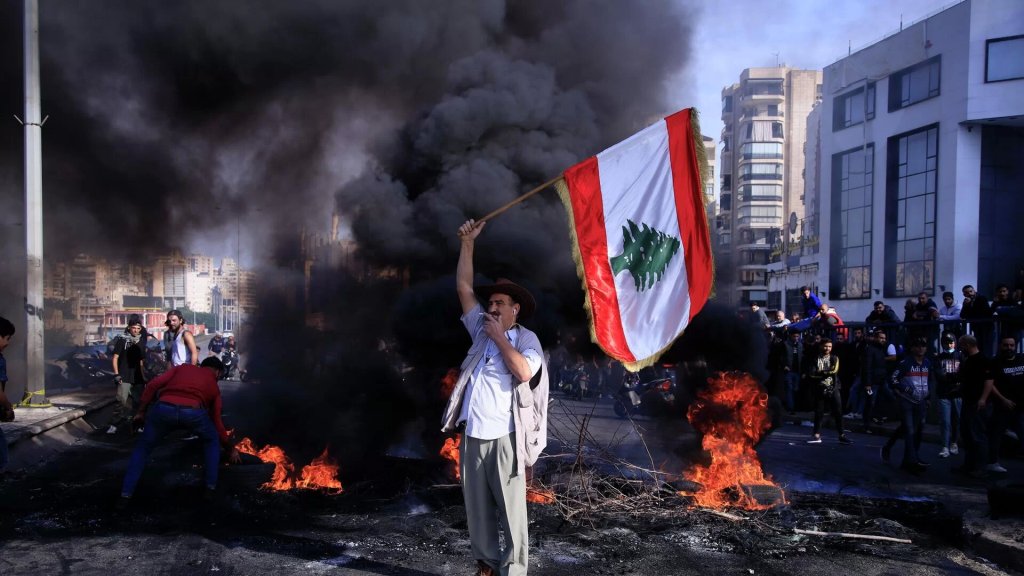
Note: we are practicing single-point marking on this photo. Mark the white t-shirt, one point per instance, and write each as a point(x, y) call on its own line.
point(487, 403)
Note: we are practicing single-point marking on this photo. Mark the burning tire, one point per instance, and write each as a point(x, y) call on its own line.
point(247, 476)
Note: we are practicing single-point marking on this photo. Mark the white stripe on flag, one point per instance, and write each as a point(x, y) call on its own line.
point(628, 170)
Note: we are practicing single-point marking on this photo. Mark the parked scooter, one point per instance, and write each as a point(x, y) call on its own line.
point(652, 398)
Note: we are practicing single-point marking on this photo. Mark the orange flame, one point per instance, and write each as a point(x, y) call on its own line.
point(321, 473)
point(450, 451)
point(448, 382)
point(733, 415)
point(540, 495)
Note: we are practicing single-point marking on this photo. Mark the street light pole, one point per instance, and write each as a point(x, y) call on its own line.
point(35, 383)
point(238, 274)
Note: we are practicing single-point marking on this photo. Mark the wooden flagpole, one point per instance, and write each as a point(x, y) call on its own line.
point(520, 199)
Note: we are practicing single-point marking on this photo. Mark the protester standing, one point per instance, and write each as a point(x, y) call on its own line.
point(823, 378)
point(975, 380)
point(129, 371)
point(947, 368)
point(179, 344)
point(913, 383)
point(502, 413)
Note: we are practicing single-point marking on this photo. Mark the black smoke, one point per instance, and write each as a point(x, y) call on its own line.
point(170, 122)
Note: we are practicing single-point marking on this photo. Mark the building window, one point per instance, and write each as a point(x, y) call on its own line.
point(761, 151)
point(726, 181)
point(777, 130)
point(773, 109)
point(915, 84)
point(1004, 59)
point(910, 212)
point(760, 172)
point(761, 193)
point(759, 215)
point(852, 192)
point(727, 104)
point(853, 107)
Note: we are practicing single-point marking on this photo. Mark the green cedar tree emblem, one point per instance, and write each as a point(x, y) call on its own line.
point(646, 253)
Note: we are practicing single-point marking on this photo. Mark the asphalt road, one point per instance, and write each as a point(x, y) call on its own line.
point(60, 519)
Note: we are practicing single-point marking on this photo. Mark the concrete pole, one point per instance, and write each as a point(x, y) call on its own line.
point(35, 385)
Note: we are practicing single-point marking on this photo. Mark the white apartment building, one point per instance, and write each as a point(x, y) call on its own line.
point(922, 160)
point(762, 165)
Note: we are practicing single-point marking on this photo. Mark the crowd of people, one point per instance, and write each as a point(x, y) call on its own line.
point(956, 366)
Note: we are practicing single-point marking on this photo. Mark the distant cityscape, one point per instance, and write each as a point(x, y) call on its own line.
point(89, 299)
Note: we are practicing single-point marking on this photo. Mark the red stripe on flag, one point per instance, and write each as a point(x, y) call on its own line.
point(584, 185)
point(693, 224)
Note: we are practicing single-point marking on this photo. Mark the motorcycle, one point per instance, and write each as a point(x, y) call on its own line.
point(652, 398)
point(575, 382)
point(230, 360)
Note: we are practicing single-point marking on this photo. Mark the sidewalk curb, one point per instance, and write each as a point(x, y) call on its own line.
point(55, 421)
point(984, 537)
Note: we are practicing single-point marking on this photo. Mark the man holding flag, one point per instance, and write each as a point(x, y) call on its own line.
point(499, 403)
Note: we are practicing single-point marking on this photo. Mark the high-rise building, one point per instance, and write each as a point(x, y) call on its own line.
point(922, 137)
point(762, 169)
point(169, 280)
point(200, 264)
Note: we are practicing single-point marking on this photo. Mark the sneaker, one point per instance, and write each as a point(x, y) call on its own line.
point(885, 452)
point(944, 453)
point(814, 440)
point(995, 468)
point(844, 440)
point(850, 415)
point(954, 449)
point(923, 464)
point(122, 503)
point(112, 429)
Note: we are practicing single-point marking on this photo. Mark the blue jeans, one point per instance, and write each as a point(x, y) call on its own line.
point(949, 420)
point(855, 403)
point(913, 421)
point(792, 385)
point(163, 418)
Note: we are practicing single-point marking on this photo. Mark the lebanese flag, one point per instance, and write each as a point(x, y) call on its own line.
point(640, 238)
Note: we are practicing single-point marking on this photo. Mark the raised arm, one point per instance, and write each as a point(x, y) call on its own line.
point(464, 273)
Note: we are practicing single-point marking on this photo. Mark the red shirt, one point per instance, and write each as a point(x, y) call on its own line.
point(191, 386)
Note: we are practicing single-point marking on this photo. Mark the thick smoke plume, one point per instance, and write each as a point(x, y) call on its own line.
point(170, 120)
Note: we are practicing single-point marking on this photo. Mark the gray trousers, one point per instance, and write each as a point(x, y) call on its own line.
point(495, 496)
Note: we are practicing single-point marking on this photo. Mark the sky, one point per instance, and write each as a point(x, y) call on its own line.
point(805, 34)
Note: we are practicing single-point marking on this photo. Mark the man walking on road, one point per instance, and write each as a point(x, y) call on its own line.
point(185, 397)
point(502, 412)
